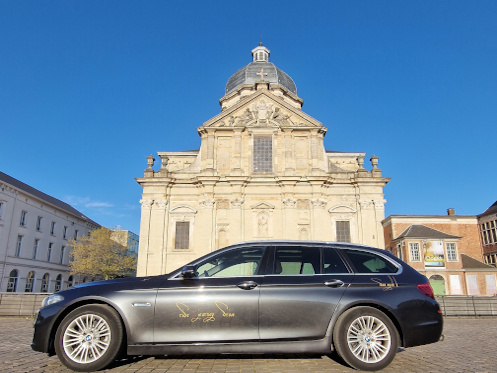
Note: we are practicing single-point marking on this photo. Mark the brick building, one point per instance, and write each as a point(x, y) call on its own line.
point(488, 231)
point(445, 248)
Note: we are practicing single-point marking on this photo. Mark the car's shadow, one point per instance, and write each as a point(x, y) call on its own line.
point(128, 360)
point(134, 359)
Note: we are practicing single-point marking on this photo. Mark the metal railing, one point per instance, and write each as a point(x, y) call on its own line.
point(472, 306)
point(26, 304)
point(20, 304)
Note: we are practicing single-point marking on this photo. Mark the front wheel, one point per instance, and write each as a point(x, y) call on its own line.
point(365, 338)
point(89, 338)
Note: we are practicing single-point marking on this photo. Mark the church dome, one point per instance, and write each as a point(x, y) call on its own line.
point(260, 69)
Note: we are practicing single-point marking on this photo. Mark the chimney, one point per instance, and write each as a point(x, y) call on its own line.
point(451, 211)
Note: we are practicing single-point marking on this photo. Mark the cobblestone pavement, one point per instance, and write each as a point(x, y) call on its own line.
point(468, 347)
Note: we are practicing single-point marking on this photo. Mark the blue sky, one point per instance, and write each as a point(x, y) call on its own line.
point(88, 89)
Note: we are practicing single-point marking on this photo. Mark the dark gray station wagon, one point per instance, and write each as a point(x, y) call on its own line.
point(255, 297)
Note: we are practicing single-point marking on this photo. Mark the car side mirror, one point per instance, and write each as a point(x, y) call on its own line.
point(188, 272)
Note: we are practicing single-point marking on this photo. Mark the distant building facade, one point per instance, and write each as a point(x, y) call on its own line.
point(262, 172)
point(34, 232)
point(445, 248)
point(487, 222)
point(128, 239)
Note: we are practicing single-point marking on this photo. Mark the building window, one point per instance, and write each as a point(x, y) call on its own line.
point(182, 235)
point(12, 284)
point(38, 223)
point(29, 282)
point(18, 246)
point(58, 283)
point(35, 248)
point(263, 154)
point(70, 281)
point(343, 231)
point(489, 232)
point(61, 259)
point(44, 283)
point(64, 233)
point(414, 252)
point(22, 221)
point(49, 252)
point(52, 229)
point(76, 234)
point(1, 209)
point(451, 252)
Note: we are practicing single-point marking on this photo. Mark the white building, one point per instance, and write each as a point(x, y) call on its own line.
point(261, 172)
point(34, 233)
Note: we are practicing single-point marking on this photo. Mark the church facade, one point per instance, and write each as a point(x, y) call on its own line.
point(261, 173)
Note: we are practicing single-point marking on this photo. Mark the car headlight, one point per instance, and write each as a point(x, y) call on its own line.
point(54, 298)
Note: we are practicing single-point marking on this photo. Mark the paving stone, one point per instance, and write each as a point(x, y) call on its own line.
point(464, 350)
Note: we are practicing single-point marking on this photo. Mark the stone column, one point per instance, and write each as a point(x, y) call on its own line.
point(237, 154)
point(146, 205)
point(157, 248)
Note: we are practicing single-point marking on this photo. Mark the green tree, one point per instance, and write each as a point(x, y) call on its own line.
point(99, 255)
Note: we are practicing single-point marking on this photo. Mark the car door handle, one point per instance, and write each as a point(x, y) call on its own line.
point(334, 283)
point(247, 285)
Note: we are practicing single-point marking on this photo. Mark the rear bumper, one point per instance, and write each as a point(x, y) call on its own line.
point(426, 328)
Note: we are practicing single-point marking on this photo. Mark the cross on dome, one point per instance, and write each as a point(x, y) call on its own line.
point(261, 73)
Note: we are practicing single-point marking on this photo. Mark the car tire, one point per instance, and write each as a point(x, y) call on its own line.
point(89, 338)
point(365, 338)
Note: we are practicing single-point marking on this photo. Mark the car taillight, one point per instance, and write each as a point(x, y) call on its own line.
point(426, 289)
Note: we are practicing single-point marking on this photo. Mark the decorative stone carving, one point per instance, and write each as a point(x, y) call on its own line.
point(146, 203)
point(207, 203)
point(236, 202)
point(245, 118)
point(319, 203)
point(262, 224)
point(379, 204)
point(150, 162)
point(365, 204)
point(303, 204)
point(289, 202)
point(222, 204)
point(161, 204)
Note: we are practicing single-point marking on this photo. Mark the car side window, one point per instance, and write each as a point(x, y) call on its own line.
point(366, 262)
point(332, 263)
point(237, 262)
point(296, 261)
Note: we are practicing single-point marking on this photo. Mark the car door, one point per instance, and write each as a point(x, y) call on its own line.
point(220, 303)
point(300, 296)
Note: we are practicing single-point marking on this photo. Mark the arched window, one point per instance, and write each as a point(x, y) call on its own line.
point(70, 281)
point(58, 283)
point(44, 283)
point(12, 284)
point(29, 282)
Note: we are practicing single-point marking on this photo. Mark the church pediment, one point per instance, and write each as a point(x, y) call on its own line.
point(183, 209)
point(262, 206)
point(342, 209)
point(263, 109)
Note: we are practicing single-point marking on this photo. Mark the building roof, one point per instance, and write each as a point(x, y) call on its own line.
point(422, 231)
point(471, 263)
point(43, 196)
point(260, 69)
point(491, 210)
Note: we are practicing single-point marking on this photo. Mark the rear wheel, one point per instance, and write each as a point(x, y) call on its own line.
point(365, 338)
point(89, 338)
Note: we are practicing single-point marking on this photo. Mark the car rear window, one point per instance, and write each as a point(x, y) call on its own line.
point(367, 262)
